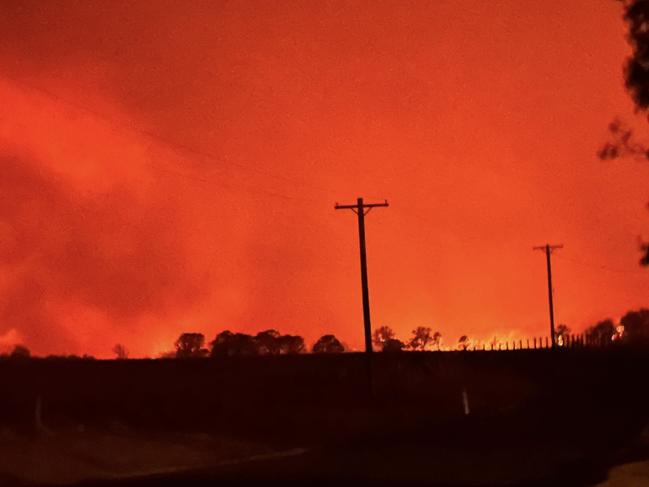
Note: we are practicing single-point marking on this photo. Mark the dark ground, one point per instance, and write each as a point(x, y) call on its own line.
point(537, 417)
point(419, 459)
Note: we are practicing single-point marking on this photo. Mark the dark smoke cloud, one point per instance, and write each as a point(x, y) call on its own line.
point(111, 253)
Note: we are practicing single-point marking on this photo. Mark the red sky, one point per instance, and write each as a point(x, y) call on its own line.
point(173, 166)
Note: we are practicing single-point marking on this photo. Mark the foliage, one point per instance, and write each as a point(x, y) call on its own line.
point(601, 333)
point(228, 344)
point(636, 327)
point(422, 337)
point(437, 340)
point(20, 352)
point(623, 143)
point(393, 345)
point(463, 343)
point(636, 69)
point(190, 345)
point(267, 342)
point(381, 335)
point(291, 344)
point(328, 344)
point(636, 77)
point(120, 351)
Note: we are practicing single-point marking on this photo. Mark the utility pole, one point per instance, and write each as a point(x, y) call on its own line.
point(547, 248)
point(361, 209)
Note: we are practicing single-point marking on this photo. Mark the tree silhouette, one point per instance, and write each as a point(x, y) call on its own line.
point(636, 327)
point(228, 344)
point(437, 340)
point(120, 351)
point(291, 344)
point(327, 344)
point(20, 352)
point(623, 142)
point(636, 69)
point(463, 343)
point(268, 342)
point(422, 336)
point(381, 335)
point(636, 77)
point(393, 345)
point(190, 345)
point(601, 333)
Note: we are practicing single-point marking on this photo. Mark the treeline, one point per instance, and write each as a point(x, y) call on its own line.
point(632, 330)
point(21, 352)
point(271, 342)
point(267, 342)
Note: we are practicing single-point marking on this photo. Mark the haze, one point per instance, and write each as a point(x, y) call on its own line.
point(173, 166)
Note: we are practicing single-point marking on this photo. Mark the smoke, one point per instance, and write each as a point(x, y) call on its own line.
point(110, 235)
point(111, 254)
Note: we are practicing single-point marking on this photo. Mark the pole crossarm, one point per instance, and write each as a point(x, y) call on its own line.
point(364, 205)
point(548, 246)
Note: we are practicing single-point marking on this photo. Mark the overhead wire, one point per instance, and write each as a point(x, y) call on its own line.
point(600, 266)
point(180, 148)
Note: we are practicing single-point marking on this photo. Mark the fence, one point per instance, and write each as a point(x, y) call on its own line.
point(544, 342)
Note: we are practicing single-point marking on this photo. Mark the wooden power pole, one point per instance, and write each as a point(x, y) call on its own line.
point(547, 248)
point(361, 209)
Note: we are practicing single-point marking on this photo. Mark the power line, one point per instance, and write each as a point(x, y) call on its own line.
point(603, 267)
point(208, 180)
point(176, 146)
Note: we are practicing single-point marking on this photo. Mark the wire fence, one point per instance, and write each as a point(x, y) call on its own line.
point(568, 341)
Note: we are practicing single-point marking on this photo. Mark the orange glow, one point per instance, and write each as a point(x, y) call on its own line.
point(177, 171)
